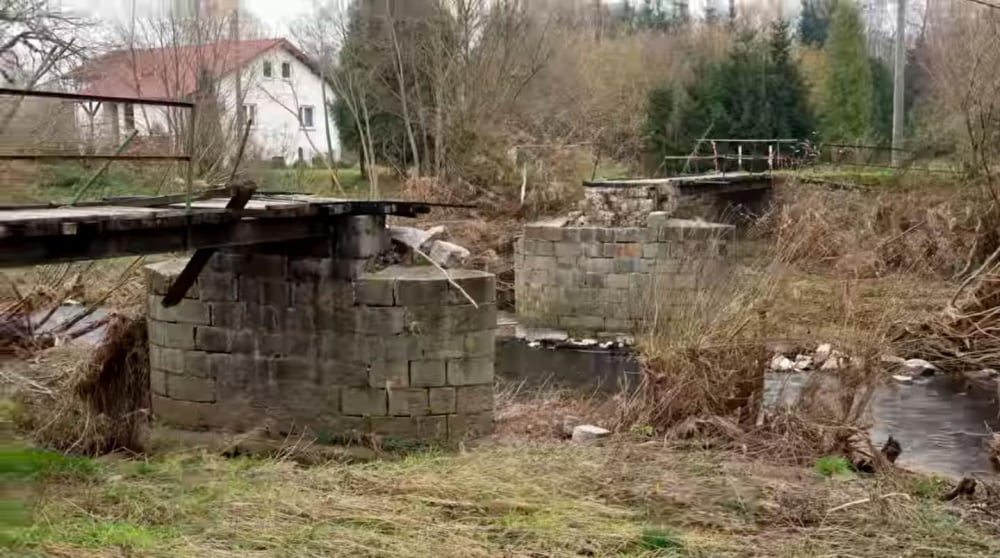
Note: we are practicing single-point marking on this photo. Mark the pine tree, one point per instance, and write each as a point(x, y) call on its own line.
point(882, 86)
point(814, 23)
point(792, 117)
point(848, 86)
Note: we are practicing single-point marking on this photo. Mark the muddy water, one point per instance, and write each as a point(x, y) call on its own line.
point(941, 427)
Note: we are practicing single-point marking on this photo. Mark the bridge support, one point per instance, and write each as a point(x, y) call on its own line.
point(319, 336)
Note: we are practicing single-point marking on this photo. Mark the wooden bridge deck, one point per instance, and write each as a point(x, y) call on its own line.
point(31, 235)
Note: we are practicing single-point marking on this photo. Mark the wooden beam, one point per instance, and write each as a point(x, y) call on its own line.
point(176, 292)
point(19, 251)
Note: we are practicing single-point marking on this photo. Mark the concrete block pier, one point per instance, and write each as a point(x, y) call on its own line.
point(318, 336)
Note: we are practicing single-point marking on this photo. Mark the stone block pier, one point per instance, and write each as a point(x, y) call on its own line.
point(318, 336)
point(592, 280)
point(632, 251)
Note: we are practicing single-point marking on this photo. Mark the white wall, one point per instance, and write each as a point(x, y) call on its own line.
point(276, 131)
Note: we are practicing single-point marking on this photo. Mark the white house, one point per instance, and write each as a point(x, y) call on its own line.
point(281, 87)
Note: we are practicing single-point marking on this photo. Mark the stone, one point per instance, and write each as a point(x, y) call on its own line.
point(186, 414)
point(428, 373)
point(411, 428)
point(464, 372)
point(919, 367)
point(822, 353)
point(903, 379)
point(568, 424)
point(442, 400)
point(448, 255)
point(221, 287)
point(588, 433)
point(177, 336)
point(158, 381)
point(229, 315)
point(364, 402)
point(416, 238)
point(389, 374)
point(370, 291)
point(186, 311)
point(214, 339)
point(189, 388)
point(408, 402)
point(803, 363)
point(474, 399)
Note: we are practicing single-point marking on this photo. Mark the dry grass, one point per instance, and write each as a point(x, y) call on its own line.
point(88, 402)
point(704, 362)
point(929, 231)
point(534, 499)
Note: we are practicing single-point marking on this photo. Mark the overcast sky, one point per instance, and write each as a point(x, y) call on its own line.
point(275, 14)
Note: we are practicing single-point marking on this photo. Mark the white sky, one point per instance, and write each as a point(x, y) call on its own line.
point(275, 14)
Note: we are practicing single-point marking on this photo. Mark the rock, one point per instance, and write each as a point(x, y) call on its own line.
point(903, 379)
point(568, 425)
point(587, 433)
point(448, 255)
point(830, 364)
point(415, 238)
point(822, 353)
point(584, 342)
point(892, 359)
point(919, 367)
point(781, 363)
point(803, 363)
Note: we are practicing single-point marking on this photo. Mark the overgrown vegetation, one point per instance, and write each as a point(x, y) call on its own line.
point(541, 498)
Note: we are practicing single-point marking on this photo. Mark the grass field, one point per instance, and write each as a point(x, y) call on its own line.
point(533, 499)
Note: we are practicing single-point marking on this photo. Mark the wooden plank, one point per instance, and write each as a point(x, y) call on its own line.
point(180, 287)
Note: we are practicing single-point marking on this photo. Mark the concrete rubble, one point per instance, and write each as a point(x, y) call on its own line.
point(445, 254)
point(588, 433)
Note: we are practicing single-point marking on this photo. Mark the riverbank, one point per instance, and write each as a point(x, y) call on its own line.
point(503, 497)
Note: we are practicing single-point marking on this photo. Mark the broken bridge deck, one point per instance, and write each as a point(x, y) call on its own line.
point(43, 234)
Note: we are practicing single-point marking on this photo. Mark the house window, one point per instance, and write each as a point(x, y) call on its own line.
point(268, 71)
point(306, 117)
point(250, 113)
point(286, 70)
point(130, 117)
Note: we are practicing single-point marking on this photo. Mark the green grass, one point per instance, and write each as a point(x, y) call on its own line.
point(834, 466)
point(24, 464)
point(544, 499)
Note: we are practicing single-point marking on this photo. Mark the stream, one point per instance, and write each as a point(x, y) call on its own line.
point(942, 427)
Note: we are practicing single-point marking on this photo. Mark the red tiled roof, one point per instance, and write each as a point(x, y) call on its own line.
point(170, 72)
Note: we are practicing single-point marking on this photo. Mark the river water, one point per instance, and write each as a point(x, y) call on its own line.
point(941, 426)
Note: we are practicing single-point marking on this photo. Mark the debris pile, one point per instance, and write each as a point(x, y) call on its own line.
point(614, 207)
point(428, 244)
point(827, 359)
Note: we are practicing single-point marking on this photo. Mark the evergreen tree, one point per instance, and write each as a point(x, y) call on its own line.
point(814, 22)
point(847, 91)
point(792, 117)
point(882, 87)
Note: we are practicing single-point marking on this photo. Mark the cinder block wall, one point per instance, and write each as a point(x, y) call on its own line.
point(299, 337)
point(589, 280)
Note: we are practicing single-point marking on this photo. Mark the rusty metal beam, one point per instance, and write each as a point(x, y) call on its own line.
point(100, 98)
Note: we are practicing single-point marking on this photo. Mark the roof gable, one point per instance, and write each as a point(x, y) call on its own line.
point(172, 72)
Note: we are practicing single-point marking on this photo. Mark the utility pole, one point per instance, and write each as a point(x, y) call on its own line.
point(899, 83)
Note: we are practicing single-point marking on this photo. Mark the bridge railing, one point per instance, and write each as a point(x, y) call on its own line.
point(92, 105)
